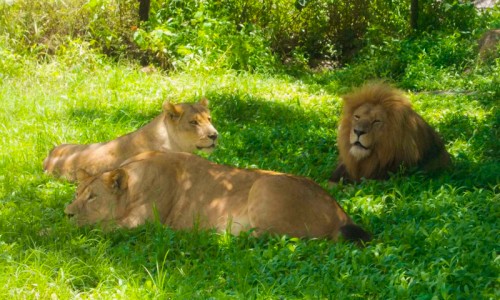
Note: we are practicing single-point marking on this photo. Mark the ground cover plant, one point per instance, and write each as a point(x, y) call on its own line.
point(434, 237)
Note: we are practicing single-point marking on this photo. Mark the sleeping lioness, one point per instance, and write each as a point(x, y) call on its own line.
point(180, 127)
point(183, 189)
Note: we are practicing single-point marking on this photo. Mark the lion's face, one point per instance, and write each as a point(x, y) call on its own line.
point(191, 126)
point(379, 132)
point(367, 128)
point(98, 199)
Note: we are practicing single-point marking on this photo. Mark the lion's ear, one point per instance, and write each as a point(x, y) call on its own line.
point(203, 101)
point(172, 110)
point(81, 175)
point(116, 180)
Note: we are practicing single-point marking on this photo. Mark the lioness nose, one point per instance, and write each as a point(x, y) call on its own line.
point(359, 132)
point(68, 211)
point(213, 136)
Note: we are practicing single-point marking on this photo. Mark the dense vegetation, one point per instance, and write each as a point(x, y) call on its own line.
point(71, 71)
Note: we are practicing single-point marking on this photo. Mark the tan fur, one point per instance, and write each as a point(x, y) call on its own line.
point(180, 127)
point(380, 132)
point(185, 189)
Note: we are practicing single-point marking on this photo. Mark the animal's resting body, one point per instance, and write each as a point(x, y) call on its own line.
point(379, 133)
point(180, 127)
point(182, 189)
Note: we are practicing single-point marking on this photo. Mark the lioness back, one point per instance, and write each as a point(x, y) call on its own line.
point(180, 127)
point(183, 189)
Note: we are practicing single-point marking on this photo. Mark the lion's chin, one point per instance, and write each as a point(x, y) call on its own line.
point(359, 152)
point(78, 221)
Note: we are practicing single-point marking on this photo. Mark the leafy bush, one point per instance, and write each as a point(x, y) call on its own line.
point(246, 34)
point(46, 27)
point(426, 61)
point(183, 33)
point(447, 15)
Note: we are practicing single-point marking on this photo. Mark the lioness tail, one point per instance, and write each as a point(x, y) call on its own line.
point(355, 234)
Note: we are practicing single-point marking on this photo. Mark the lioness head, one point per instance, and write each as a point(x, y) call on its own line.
point(190, 126)
point(367, 123)
point(99, 198)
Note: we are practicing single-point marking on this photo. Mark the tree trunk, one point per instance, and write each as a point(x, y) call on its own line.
point(144, 9)
point(414, 15)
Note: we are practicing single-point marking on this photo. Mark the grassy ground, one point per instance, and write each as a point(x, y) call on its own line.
point(434, 237)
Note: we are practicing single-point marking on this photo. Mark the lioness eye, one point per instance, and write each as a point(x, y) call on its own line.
point(376, 121)
point(194, 122)
point(356, 117)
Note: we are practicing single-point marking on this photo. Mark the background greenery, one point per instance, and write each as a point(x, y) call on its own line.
point(71, 71)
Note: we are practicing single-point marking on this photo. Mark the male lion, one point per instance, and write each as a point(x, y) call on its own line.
point(180, 127)
point(380, 132)
point(183, 189)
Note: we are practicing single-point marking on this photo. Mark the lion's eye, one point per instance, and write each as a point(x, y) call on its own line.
point(210, 119)
point(376, 121)
point(356, 117)
point(194, 122)
point(91, 198)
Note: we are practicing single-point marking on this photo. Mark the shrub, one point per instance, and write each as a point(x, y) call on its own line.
point(182, 33)
point(248, 35)
point(46, 27)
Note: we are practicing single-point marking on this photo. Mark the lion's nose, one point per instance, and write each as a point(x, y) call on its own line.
point(359, 132)
point(213, 136)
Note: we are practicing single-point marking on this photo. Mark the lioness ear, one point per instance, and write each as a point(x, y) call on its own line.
point(172, 110)
point(81, 175)
point(116, 179)
point(203, 101)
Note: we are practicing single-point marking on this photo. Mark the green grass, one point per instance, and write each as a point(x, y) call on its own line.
point(434, 237)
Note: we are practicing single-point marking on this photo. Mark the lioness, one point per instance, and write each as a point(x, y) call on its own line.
point(185, 189)
point(180, 127)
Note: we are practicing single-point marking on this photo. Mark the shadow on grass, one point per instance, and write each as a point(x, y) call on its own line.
point(476, 164)
point(273, 135)
point(441, 229)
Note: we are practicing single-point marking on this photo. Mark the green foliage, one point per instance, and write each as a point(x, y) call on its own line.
point(298, 32)
point(183, 34)
point(447, 15)
point(243, 34)
point(47, 27)
point(436, 61)
point(315, 29)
